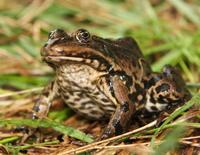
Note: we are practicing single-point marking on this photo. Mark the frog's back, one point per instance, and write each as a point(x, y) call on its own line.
point(125, 55)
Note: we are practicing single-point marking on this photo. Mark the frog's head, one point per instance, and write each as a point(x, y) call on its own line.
point(77, 47)
point(168, 89)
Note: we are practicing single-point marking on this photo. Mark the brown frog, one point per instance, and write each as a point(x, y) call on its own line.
point(107, 79)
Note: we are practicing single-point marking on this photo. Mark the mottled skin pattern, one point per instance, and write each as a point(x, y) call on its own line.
point(107, 79)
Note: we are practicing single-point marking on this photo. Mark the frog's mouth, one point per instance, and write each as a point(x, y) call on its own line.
point(64, 54)
point(58, 56)
point(62, 59)
point(57, 61)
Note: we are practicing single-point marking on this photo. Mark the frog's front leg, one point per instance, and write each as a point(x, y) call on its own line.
point(124, 111)
point(42, 106)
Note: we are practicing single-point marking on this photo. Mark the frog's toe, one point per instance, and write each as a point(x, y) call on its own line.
point(102, 137)
point(26, 131)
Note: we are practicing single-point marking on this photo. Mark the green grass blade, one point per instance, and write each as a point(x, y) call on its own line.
point(194, 100)
point(187, 10)
point(169, 58)
point(8, 139)
point(23, 82)
point(170, 142)
point(45, 123)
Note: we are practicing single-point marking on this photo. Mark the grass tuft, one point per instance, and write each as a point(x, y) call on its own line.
point(46, 123)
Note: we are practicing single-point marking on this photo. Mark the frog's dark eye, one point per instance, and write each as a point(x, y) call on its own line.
point(82, 35)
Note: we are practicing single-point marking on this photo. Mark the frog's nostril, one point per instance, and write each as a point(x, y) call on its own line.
point(43, 51)
point(45, 45)
point(59, 30)
point(58, 33)
point(50, 35)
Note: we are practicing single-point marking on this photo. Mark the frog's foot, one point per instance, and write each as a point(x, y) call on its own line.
point(108, 132)
point(41, 108)
point(40, 111)
point(27, 132)
point(161, 118)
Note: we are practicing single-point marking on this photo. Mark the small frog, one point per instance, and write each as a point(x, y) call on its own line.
point(107, 79)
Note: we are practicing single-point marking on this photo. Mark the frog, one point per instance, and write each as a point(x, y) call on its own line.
point(107, 79)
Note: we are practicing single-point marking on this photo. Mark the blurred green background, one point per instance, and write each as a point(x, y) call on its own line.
point(168, 32)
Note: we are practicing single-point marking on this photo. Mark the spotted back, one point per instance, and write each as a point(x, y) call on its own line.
point(167, 90)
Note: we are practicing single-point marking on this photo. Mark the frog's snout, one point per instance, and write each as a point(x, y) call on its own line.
point(43, 51)
point(57, 33)
point(56, 36)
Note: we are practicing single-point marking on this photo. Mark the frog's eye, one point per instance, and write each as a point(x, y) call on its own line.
point(82, 35)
